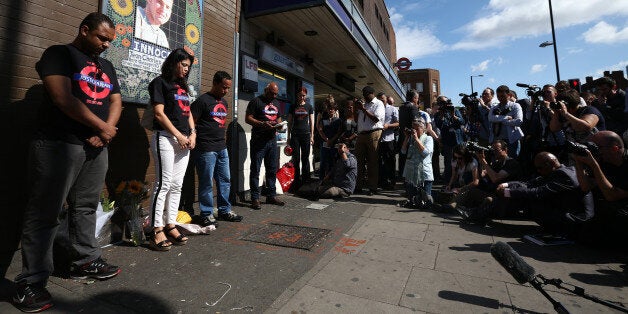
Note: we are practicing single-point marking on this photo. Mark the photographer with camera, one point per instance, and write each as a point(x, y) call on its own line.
point(341, 179)
point(475, 204)
point(450, 121)
point(539, 137)
point(417, 172)
point(548, 198)
point(602, 167)
point(506, 119)
point(578, 121)
point(612, 103)
point(477, 127)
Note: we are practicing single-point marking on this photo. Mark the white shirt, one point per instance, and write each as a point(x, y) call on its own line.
point(146, 31)
point(375, 107)
point(391, 116)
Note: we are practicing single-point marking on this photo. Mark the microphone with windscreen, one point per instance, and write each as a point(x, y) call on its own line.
point(512, 262)
point(524, 273)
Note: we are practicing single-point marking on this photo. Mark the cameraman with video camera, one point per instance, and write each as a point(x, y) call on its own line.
point(477, 127)
point(578, 121)
point(603, 169)
point(450, 121)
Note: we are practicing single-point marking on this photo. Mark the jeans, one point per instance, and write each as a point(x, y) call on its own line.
point(300, 144)
point(171, 162)
point(210, 166)
point(58, 172)
point(266, 150)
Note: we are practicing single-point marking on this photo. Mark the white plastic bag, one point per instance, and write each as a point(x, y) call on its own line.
point(101, 219)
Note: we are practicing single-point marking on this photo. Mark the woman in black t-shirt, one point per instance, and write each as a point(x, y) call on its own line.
point(301, 136)
point(173, 138)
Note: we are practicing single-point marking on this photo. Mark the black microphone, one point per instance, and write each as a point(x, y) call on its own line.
point(523, 85)
point(512, 262)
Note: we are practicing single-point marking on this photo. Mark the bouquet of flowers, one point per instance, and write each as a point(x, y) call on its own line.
point(129, 196)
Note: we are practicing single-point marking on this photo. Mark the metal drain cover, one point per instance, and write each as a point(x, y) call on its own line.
point(299, 237)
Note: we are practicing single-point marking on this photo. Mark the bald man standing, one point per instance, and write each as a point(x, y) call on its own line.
point(262, 113)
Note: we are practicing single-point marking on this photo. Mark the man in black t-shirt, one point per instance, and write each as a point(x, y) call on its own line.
point(606, 174)
point(263, 114)
point(68, 160)
point(212, 160)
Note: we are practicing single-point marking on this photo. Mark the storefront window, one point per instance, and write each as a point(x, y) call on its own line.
point(265, 77)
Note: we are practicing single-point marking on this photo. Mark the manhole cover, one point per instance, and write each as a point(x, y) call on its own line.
point(287, 235)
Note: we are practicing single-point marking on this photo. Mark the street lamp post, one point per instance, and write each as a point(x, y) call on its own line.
point(553, 42)
point(472, 76)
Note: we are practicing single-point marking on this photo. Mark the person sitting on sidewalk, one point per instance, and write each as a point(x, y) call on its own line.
point(475, 204)
point(340, 181)
point(550, 196)
point(417, 172)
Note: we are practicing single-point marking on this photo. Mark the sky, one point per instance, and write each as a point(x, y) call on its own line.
point(500, 39)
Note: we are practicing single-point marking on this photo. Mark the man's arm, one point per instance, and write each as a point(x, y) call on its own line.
point(59, 88)
point(611, 193)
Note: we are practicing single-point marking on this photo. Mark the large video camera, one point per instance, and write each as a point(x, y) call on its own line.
point(469, 100)
point(474, 147)
point(581, 149)
point(532, 91)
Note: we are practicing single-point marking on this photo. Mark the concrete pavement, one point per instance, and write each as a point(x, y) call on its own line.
point(378, 258)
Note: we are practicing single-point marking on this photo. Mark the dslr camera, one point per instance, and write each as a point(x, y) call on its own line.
point(556, 105)
point(581, 149)
point(474, 147)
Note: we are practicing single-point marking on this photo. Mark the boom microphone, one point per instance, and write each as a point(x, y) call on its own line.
point(523, 85)
point(512, 262)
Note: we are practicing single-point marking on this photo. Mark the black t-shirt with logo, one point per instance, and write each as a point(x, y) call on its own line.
point(176, 103)
point(301, 118)
point(94, 80)
point(211, 116)
point(263, 110)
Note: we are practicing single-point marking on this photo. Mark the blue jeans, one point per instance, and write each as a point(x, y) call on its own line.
point(266, 150)
point(212, 166)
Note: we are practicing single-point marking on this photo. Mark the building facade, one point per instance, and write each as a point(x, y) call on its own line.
point(425, 81)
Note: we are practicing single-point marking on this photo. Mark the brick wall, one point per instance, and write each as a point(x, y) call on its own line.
point(27, 27)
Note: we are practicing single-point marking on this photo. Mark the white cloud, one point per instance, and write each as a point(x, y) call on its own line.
point(538, 68)
point(605, 33)
point(414, 41)
point(506, 20)
point(573, 50)
point(615, 67)
point(482, 66)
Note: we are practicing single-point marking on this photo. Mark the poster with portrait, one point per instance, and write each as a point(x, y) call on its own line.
point(146, 32)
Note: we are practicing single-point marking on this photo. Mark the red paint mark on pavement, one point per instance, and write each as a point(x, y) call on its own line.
point(345, 245)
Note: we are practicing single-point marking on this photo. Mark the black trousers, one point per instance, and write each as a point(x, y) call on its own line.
point(301, 145)
point(387, 163)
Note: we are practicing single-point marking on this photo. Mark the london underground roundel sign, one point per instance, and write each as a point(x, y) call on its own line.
point(403, 64)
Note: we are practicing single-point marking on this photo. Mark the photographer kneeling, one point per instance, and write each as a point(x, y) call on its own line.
point(340, 181)
point(603, 169)
point(548, 198)
point(476, 204)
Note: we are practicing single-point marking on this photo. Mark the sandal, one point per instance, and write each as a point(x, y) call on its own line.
point(162, 246)
point(179, 240)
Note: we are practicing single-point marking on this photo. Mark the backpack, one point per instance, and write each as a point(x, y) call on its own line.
point(148, 118)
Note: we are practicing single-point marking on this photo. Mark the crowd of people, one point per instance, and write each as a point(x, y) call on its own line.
point(489, 147)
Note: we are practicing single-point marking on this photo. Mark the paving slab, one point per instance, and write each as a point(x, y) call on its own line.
point(316, 300)
point(393, 229)
point(387, 249)
point(527, 299)
point(441, 292)
point(363, 277)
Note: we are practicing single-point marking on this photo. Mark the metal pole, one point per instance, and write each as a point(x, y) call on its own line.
point(554, 40)
point(471, 84)
point(235, 136)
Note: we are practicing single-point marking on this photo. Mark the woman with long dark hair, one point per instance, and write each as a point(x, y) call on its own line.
point(173, 138)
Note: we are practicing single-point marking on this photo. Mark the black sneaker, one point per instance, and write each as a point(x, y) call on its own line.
point(205, 221)
point(230, 216)
point(97, 269)
point(32, 298)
